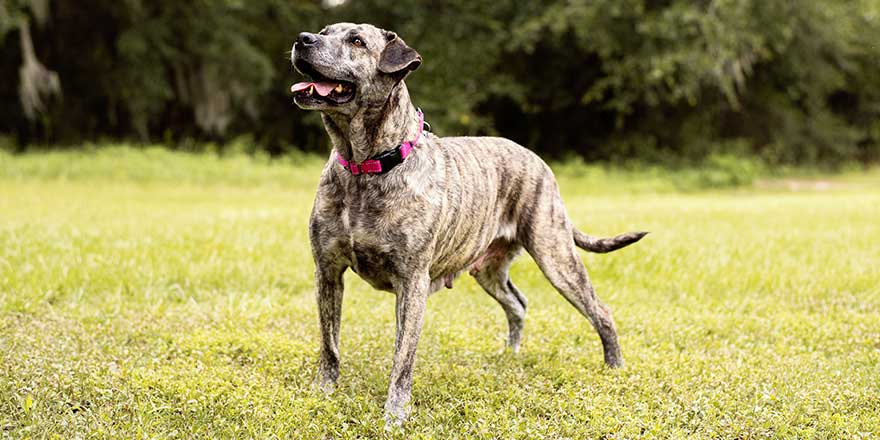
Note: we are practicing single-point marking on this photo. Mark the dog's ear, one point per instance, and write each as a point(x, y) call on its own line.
point(397, 56)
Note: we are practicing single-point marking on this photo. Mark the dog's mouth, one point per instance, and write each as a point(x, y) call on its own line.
point(319, 88)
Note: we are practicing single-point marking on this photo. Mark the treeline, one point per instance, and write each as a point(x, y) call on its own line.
point(791, 82)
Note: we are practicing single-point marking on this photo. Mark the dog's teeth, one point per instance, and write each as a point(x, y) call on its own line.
point(339, 88)
point(311, 90)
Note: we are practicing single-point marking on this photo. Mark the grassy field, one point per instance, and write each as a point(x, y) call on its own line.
point(145, 294)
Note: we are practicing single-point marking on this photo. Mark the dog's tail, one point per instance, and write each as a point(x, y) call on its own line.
point(603, 245)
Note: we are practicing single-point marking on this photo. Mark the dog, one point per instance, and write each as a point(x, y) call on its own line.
point(409, 211)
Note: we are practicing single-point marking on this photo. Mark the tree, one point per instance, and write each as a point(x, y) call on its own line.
point(793, 82)
point(36, 82)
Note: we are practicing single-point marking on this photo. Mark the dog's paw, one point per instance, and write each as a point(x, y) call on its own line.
point(511, 350)
point(393, 423)
point(327, 387)
point(514, 347)
point(395, 416)
point(326, 383)
point(614, 362)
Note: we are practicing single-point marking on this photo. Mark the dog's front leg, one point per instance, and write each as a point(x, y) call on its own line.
point(329, 294)
point(411, 300)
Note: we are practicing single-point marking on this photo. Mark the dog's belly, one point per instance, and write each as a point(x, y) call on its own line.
point(470, 256)
point(481, 203)
point(464, 243)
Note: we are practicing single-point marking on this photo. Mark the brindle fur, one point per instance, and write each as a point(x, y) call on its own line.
point(455, 204)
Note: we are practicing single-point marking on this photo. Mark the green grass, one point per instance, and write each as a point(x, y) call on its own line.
point(147, 294)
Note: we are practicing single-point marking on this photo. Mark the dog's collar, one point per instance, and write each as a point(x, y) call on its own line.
point(384, 162)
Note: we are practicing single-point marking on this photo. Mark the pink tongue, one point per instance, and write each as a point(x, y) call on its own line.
point(323, 88)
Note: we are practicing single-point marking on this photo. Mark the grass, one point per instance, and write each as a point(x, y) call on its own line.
point(148, 294)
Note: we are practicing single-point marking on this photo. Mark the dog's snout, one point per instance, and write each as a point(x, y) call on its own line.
point(307, 39)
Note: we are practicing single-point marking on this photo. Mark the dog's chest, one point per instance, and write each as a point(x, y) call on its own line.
point(373, 261)
point(387, 232)
point(373, 253)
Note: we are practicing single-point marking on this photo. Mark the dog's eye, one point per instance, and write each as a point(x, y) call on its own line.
point(357, 42)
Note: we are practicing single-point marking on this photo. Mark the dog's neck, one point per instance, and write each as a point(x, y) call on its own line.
point(373, 130)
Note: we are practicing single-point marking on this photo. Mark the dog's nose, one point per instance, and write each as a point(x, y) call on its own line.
point(307, 39)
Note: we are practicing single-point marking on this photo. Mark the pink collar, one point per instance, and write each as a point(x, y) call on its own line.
point(384, 162)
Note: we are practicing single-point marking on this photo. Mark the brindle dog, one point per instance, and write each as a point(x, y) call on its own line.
point(455, 204)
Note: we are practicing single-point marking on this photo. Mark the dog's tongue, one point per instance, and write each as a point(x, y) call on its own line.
point(323, 88)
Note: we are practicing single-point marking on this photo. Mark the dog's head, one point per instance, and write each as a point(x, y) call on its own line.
point(349, 66)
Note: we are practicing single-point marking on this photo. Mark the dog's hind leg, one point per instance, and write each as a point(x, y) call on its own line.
point(553, 250)
point(492, 273)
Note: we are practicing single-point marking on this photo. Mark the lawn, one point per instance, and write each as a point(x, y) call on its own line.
point(145, 294)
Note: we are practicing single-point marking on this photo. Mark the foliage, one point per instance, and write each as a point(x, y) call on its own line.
point(137, 306)
point(684, 76)
point(14, 12)
point(792, 82)
point(169, 69)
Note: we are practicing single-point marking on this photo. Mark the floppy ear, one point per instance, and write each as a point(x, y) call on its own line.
point(398, 57)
